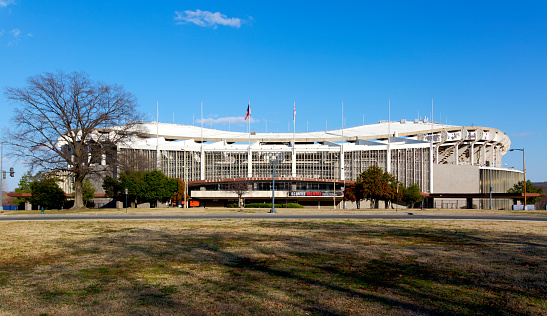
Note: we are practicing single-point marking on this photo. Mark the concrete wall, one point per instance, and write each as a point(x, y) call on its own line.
point(501, 180)
point(449, 178)
point(456, 179)
point(233, 196)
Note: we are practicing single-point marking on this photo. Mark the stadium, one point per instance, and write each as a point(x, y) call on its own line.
point(455, 166)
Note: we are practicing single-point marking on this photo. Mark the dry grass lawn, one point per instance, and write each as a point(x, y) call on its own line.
point(216, 210)
point(263, 267)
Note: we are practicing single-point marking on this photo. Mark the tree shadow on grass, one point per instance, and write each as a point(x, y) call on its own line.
point(318, 268)
point(447, 271)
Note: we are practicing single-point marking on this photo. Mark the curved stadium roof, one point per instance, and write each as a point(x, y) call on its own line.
point(371, 131)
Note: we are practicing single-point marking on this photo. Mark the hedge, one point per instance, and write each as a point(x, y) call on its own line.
point(268, 205)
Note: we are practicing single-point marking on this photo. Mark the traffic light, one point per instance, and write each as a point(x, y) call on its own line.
point(11, 172)
point(3, 174)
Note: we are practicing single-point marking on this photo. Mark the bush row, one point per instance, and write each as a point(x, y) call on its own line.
point(268, 205)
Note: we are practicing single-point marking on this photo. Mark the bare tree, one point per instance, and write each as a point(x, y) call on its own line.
point(65, 122)
point(134, 160)
point(239, 188)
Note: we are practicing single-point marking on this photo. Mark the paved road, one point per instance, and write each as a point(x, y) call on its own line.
point(268, 216)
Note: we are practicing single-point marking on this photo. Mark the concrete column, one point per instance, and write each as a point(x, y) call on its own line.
point(491, 155)
point(431, 168)
point(250, 163)
point(202, 164)
point(293, 163)
point(472, 154)
point(185, 167)
point(28, 206)
point(388, 158)
point(497, 156)
point(456, 154)
point(500, 158)
point(342, 169)
point(469, 203)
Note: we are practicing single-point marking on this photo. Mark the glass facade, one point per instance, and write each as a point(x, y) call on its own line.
point(409, 165)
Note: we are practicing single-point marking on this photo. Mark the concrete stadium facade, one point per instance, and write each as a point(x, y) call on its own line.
point(313, 167)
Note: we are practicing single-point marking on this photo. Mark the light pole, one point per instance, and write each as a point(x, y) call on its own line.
point(397, 192)
point(274, 161)
point(334, 184)
point(185, 186)
point(344, 189)
point(523, 170)
point(334, 193)
point(342, 167)
point(490, 187)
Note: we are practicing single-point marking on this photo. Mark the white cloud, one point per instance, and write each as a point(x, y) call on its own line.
point(237, 120)
point(5, 3)
point(206, 18)
point(15, 32)
point(523, 134)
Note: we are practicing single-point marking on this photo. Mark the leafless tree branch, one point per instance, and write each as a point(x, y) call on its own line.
point(66, 122)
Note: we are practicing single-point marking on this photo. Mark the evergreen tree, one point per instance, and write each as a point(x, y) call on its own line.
point(530, 188)
point(158, 187)
point(46, 193)
point(112, 187)
point(411, 195)
point(88, 191)
point(24, 187)
point(150, 186)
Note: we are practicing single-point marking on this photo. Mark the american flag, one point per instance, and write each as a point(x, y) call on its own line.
point(248, 113)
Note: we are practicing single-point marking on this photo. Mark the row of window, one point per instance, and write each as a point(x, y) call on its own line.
point(408, 165)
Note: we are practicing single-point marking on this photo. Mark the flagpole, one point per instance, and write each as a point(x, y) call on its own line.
point(293, 123)
point(342, 161)
point(431, 155)
point(157, 135)
point(202, 154)
point(388, 155)
point(249, 125)
point(250, 156)
point(293, 158)
point(389, 120)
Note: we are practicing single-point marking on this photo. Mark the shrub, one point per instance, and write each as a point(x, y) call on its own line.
point(267, 205)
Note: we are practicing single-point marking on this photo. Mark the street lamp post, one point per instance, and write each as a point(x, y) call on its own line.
point(490, 186)
point(185, 186)
point(334, 193)
point(523, 170)
point(274, 161)
point(334, 184)
point(344, 189)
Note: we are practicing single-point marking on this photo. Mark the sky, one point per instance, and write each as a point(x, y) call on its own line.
point(481, 62)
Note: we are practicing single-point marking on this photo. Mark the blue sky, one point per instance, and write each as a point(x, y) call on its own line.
point(483, 63)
